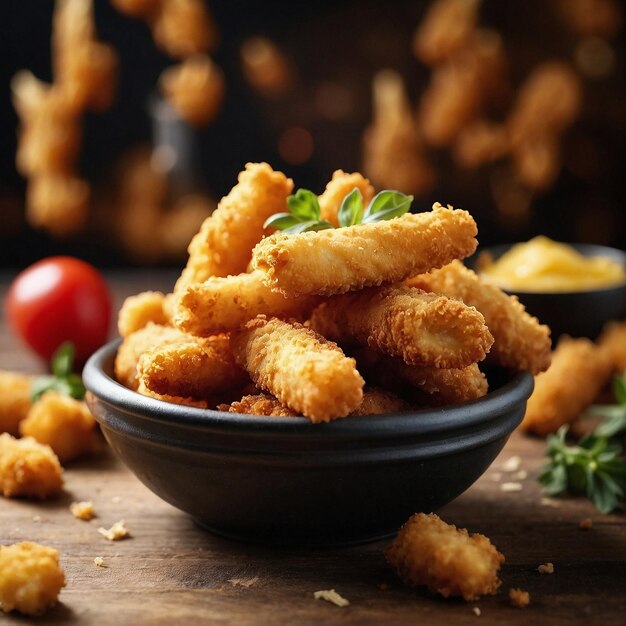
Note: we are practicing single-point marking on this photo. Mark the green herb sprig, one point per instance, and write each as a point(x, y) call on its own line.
point(62, 379)
point(593, 467)
point(614, 414)
point(305, 213)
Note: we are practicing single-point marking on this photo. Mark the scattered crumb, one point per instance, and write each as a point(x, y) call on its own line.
point(116, 532)
point(521, 475)
point(511, 487)
point(550, 502)
point(496, 476)
point(519, 598)
point(330, 595)
point(36, 518)
point(116, 499)
point(83, 510)
point(512, 464)
point(476, 611)
point(383, 586)
point(546, 568)
point(99, 561)
point(586, 524)
point(243, 582)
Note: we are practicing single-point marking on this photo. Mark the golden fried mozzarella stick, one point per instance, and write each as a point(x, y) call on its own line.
point(302, 369)
point(223, 246)
point(194, 368)
point(198, 404)
point(15, 402)
point(337, 260)
point(223, 304)
point(340, 185)
point(613, 342)
point(258, 404)
point(138, 310)
point(578, 372)
point(422, 328)
point(378, 402)
point(136, 344)
point(520, 341)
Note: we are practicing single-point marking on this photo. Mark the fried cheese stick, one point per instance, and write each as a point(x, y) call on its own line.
point(192, 368)
point(339, 186)
point(138, 310)
point(302, 369)
point(223, 246)
point(144, 391)
point(338, 260)
point(613, 342)
point(379, 402)
point(423, 328)
point(520, 341)
point(135, 344)
point(578, 372)
point(221, 304)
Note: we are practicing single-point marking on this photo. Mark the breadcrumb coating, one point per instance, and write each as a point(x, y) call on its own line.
point(446, 559)
point(63, 423)
point(302, 369)
point(223, 246)
point(221, 304)
point(423, 328)
point(28, 468)
point(338, 260)
point(30, 578)
point(258, 404)
point(578, 372)
point(519, 598)
point(194, 368)
point(138, 310)
point(339, 186)
point(135, 344)
point(198, 404)
point(379, 402)
point(15, 402)
point(83, 510)
point(520, 341)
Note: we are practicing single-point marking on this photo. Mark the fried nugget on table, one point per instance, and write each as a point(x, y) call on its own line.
point(520, 341)
point(578, 372)
point(446, 559)
point(613, 342)
point(339, 186)
point(423, 328)
point(195, 368)
point(258, 404)
point(63, 423)
point(28, 468)
point(221, 304)
point(15, 391)
point(302, 369)
point(135, 344)
point(30, 578)
point(136, 311)
point(223, 246)
point(338, 260)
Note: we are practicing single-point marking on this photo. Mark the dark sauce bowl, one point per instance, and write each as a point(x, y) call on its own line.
point(574, 313)
point(287, 481)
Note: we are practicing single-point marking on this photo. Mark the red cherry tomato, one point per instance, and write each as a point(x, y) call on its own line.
point(60, 299)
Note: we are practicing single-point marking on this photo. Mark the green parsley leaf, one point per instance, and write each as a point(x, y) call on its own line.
point(351, 209)
point(62, 379)
point(303, 227)
point(63, 359)
point(386, 205)
point(304, 205)
point(619, 389)
point(281, 221)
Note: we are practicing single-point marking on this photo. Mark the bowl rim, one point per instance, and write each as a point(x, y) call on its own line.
point(586, 249)
point(105, 388)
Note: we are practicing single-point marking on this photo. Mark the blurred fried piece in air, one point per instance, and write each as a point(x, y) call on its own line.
point(592, 18)
point(265, 67)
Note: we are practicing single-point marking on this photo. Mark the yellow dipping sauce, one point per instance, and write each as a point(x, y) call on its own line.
point(544, 265)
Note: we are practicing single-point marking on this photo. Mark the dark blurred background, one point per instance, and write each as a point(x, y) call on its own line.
point(336, 48)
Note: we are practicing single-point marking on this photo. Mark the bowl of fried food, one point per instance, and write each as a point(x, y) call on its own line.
point(574, 288)
point(314, 376)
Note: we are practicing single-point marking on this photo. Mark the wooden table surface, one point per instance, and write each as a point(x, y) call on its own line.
point(170, 572)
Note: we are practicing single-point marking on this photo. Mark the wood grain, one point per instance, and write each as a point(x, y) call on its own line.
point(171, 572)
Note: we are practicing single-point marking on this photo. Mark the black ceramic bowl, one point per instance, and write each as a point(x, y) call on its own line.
point(575, 313)
point(287, 481)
